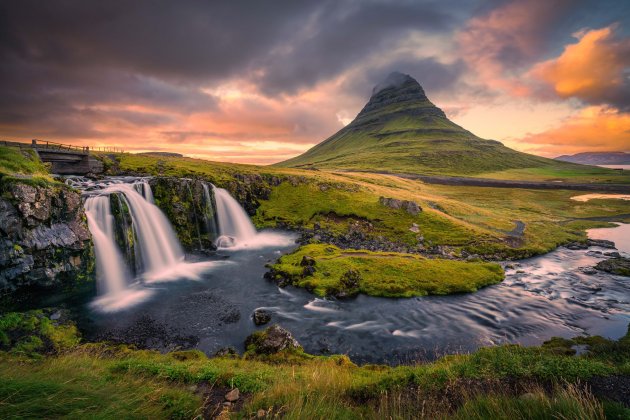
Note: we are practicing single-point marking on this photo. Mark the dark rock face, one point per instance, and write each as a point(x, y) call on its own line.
point(272, 340)
point(619, 266)
point(44, 238)
point(184, 202)
point(185, 205)
point(261, 316)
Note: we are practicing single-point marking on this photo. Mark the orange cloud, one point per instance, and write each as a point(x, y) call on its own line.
point(592, 69)
point(497, 45)
point(594, 129)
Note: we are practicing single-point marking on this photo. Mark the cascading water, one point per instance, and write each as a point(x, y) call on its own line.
point(235, 227)
point(156, 240)
point(157, 250)
point(112, 274)
point(210, 214)
point(144, 189)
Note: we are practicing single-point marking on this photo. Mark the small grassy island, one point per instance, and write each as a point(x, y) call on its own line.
point(329, 271)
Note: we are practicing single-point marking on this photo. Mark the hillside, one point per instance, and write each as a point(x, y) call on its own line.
point(401, 131)
point(597, 158)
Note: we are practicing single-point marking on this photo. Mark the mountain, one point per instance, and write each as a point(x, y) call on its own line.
point(597, 158)
point(401, 130)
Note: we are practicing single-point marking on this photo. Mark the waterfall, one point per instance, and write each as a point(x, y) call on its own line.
point(143, 188)
point(159, 247)
point(210, 214)
point(234, 224)
point(156, 244)
point(112, 274)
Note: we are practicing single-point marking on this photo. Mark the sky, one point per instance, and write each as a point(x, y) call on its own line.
point(262, 81)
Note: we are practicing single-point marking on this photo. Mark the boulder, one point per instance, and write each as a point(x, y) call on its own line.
point(308, 261)
point(261, 316)
point(410, 207)
point(233, 395)
point(390, 202)
point(619, 266)
point(270, 341)
point(602, 243)
point(348, 284)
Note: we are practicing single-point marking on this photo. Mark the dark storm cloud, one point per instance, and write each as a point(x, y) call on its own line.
point(432, 75)
point(70, 55)
point(343, 35)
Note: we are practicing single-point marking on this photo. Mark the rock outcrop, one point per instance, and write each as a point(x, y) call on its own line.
point(44, 238)
point(184, 203)
point(270, 341)
point(410, 207)
point(619, 266)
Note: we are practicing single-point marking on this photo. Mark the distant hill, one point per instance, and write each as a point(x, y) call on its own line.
point(400, 130)
point(597, 158)
point(164, 154)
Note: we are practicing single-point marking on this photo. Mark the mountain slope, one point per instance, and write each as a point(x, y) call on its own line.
point(597, 158)
point(400, 130)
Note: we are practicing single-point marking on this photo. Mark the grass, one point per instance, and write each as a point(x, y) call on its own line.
point(22, 164)
point(382, 274)
point(475, 219)
point(104, 381)
point(80, 385)
point(392, 139)
point(459, 220)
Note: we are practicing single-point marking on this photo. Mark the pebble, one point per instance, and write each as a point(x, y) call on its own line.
point(233, 395)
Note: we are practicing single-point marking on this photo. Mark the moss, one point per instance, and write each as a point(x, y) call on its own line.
point(382, 274)
point(32, 333)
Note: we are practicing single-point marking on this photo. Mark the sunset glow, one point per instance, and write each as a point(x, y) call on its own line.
point(267, 90)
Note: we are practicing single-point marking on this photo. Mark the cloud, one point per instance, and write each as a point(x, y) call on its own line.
point(595, 128)
point(596, 69)
point(499, 43)
point(229, 80)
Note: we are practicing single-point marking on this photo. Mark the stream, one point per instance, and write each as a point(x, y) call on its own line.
point(207, 304)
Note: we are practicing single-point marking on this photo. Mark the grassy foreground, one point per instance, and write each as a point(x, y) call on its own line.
point(102, 381)
point(336, 271)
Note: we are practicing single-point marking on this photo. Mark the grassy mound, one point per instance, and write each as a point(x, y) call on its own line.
point(328, 270)
point(22, 163)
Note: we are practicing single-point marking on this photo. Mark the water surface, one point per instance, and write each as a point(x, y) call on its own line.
point(550, 295)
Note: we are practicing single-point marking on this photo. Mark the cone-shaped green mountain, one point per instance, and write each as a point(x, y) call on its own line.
point(401, 130)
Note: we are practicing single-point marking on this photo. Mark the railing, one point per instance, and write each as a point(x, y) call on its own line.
point(49, 145)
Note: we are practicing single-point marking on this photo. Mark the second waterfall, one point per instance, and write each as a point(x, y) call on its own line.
point(155, 246)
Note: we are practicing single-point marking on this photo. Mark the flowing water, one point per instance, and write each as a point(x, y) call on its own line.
point(234, 224)
point(112, 273)
point(210, 306)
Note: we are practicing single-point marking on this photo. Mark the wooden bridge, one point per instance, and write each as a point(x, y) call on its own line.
point(65, 159)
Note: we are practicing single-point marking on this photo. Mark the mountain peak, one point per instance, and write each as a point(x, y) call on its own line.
point(401, 130)
point(398, 92)
point(394, 80)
